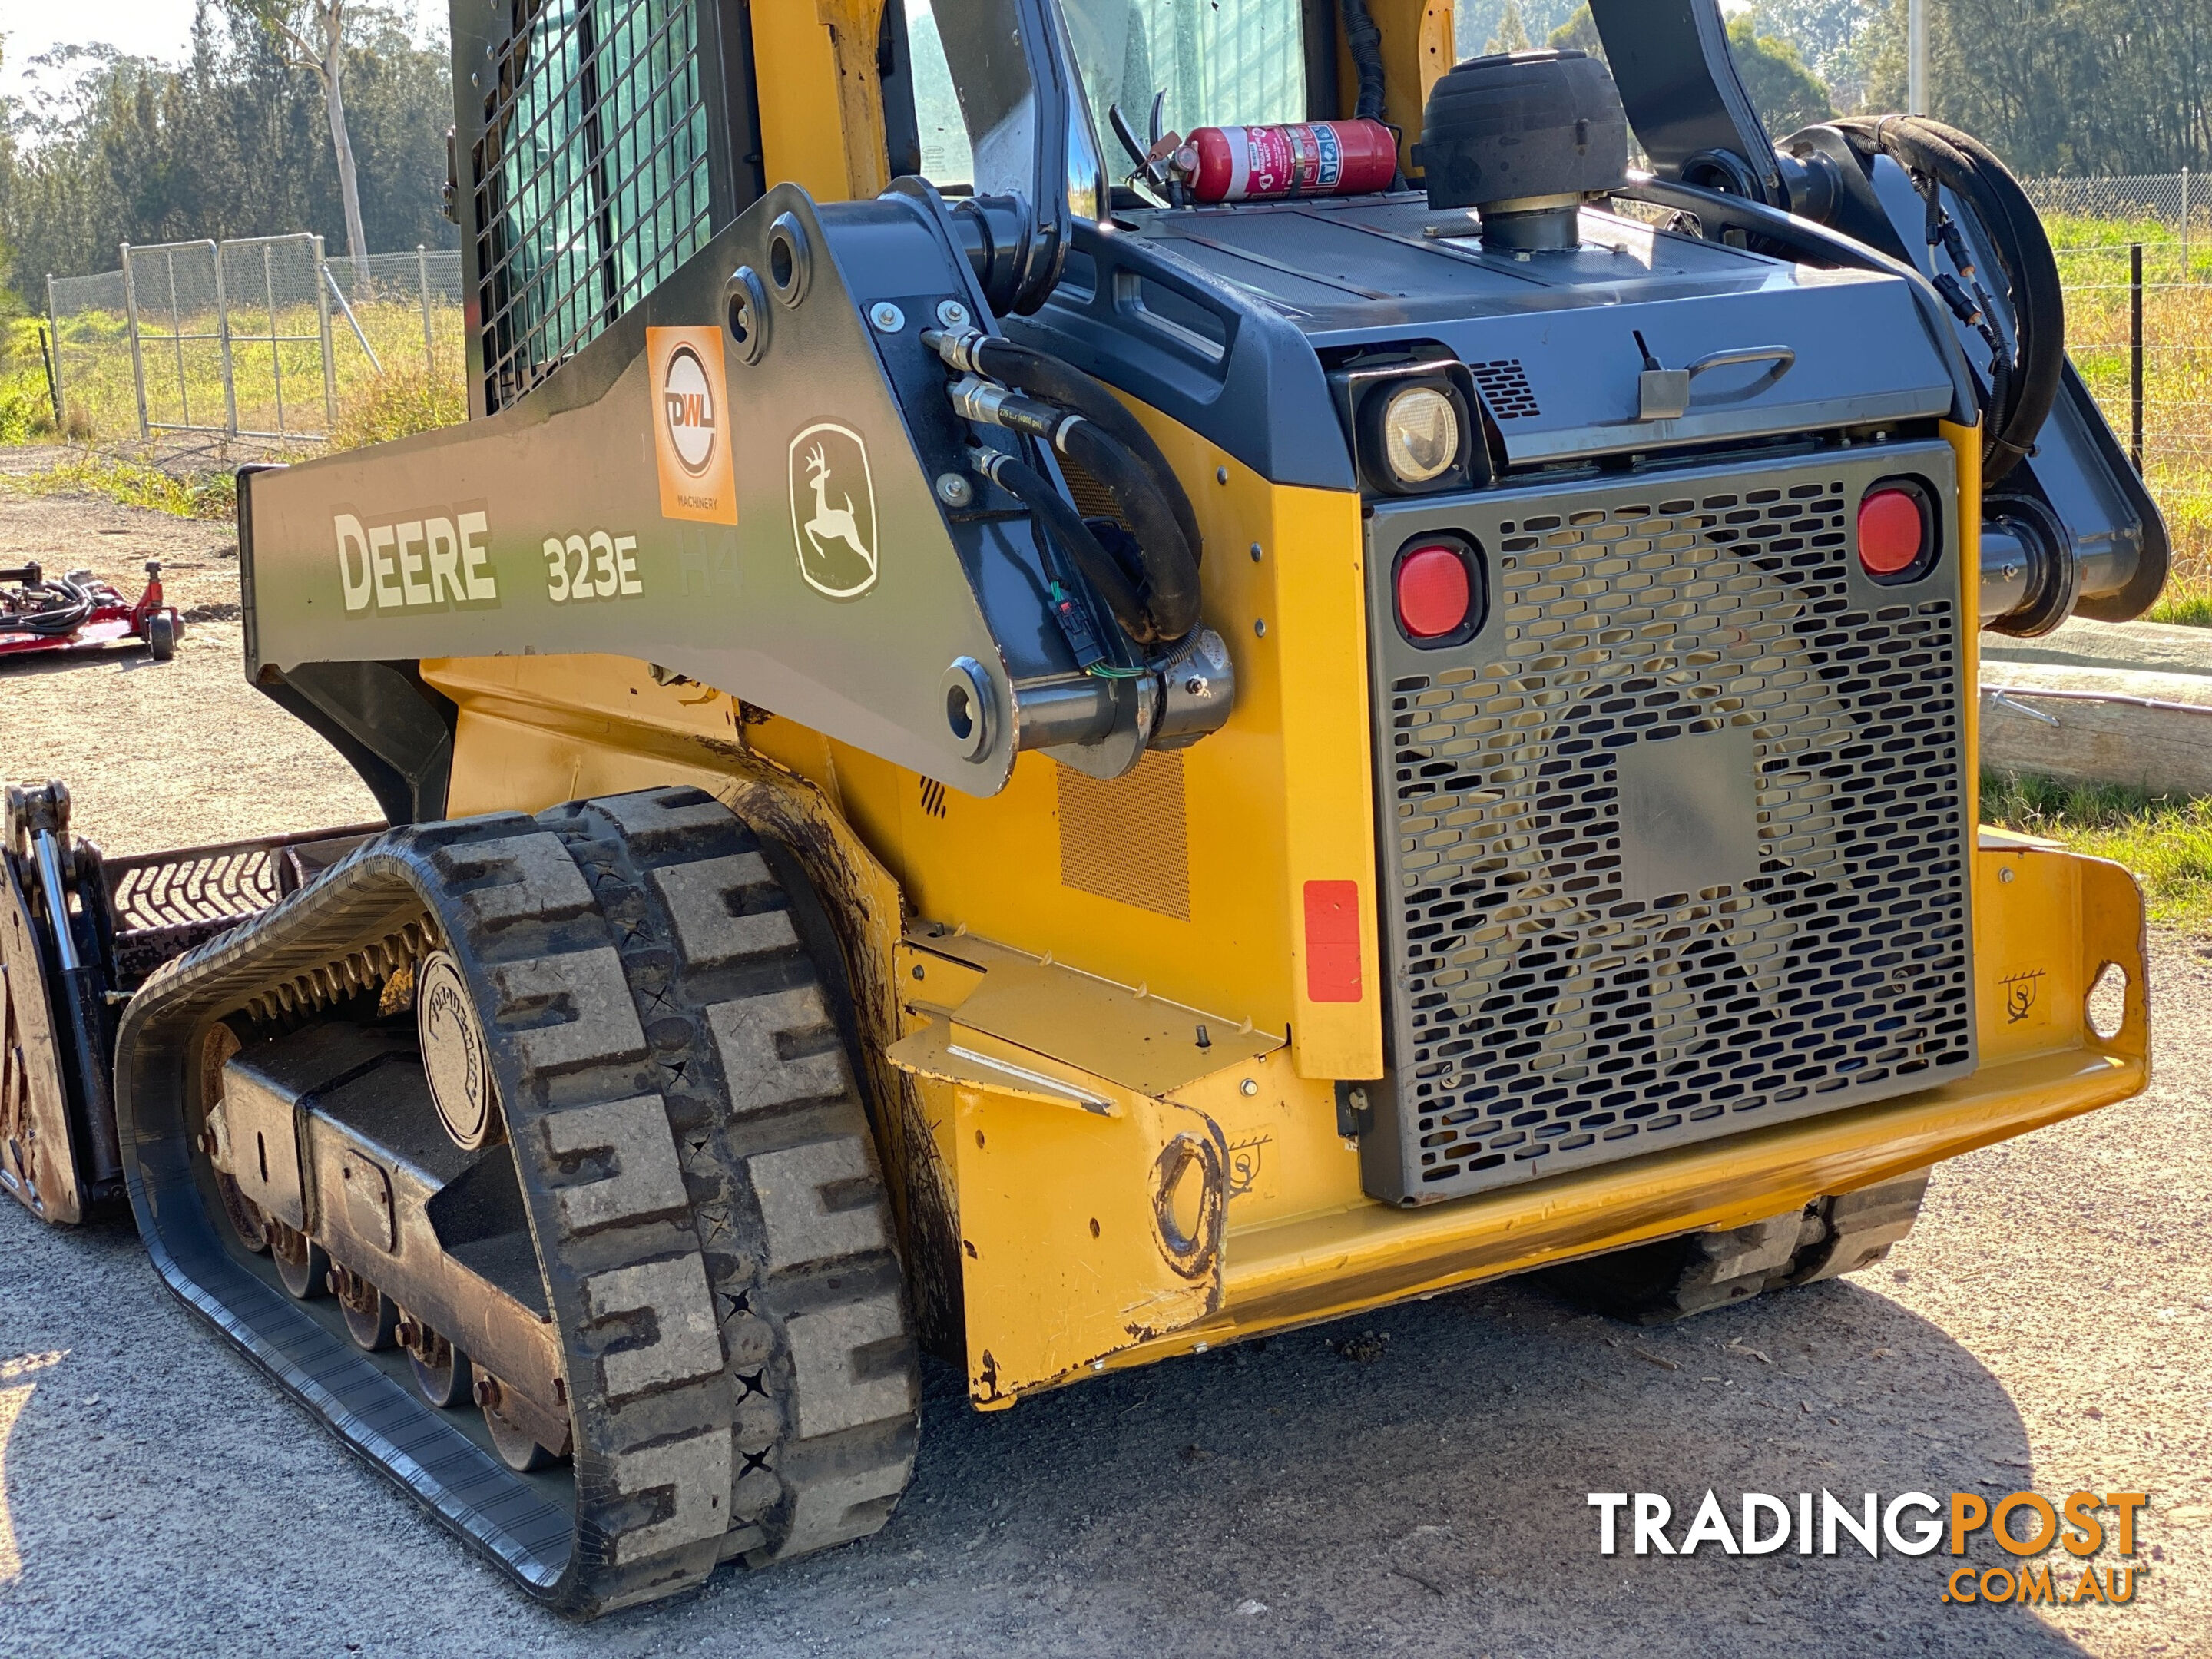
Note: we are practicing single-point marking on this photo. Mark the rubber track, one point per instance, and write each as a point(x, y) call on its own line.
point(1673, 1277)
point(696, 1163)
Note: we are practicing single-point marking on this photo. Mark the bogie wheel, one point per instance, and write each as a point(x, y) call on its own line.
point(1673, 1277)
point(246, 1221)
point(442, 1373)
point(517, 1447)
point(372, 1318)
point(303, 1266)
point(161, 637)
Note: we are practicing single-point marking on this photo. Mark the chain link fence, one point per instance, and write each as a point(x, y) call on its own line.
point(258, 336)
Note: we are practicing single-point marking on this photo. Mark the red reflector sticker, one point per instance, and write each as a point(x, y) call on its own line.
point(1333, 941)
point(1890, 531)
point(1432, 591)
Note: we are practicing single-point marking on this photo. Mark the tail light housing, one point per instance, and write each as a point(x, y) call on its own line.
point(1440, 591)
point(1897, 533)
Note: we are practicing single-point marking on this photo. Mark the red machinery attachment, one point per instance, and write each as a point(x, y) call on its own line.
point(79, 612)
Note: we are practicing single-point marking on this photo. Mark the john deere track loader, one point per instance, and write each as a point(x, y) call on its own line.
point(1097, 676)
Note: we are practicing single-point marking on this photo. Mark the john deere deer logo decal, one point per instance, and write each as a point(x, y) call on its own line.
point(833, 510)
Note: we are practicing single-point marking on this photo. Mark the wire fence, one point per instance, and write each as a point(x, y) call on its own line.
point(258, 336)
point(2134, 259)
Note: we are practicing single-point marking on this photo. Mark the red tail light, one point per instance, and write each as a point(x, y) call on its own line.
point(1434, 593)
point(1892, 530)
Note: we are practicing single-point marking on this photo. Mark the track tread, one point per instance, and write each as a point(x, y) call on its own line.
point(1672, 1278)
point(712, 1224)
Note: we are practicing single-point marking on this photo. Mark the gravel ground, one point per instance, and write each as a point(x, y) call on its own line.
point(2045, 1327)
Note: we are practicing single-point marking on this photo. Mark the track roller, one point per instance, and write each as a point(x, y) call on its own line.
point(442, 1373)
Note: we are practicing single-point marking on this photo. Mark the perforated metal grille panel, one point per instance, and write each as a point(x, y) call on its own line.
point(590, 181)
point(1505, 389)
point(1678, 840)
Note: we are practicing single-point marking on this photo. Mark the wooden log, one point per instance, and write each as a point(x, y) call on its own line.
point(2146, 731)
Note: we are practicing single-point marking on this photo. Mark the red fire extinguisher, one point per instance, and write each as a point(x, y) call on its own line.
point(1307, 158)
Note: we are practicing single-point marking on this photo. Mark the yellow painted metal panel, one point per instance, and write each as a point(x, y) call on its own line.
point(795, 71)
point(1326, 1267)
point(1280, 796)
point(1064, 1238)
point(1121, 1033)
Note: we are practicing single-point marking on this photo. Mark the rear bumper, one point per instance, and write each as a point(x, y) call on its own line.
point(1065, 1109)
point(1325, 1267)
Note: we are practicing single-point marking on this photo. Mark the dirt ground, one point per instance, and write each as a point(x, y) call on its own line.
point(160, 753)
point(2049, 1326)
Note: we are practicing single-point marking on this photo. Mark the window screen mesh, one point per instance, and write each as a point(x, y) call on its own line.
point(590, 181)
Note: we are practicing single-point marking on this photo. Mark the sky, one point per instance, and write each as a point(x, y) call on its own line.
point(144, 28)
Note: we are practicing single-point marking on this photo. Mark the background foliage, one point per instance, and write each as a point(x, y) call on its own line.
point(2053, 86)
point(229, 142)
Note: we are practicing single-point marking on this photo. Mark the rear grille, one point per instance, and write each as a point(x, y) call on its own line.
point(1678, 840)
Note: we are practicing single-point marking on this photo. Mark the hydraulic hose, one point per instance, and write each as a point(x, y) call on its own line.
point(1171, 565)
point(1365, 41)
point(66, 608)
point(1043, 375)
point(2024, 383)
point(1023, 389)
point(1064, 525)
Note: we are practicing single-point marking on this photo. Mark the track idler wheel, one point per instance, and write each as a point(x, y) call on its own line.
point(517, 1447)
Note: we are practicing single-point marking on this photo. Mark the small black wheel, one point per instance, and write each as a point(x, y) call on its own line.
point(517, 1447)
point(442, 1373)
point(302, 1266)
point(372, 1318)
point(162, 637)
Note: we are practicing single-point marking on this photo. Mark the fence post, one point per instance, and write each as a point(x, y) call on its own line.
point(54, 322)
point(422, 283)
point(330, 361)
point(2184, 224)
point(137, 358)
point(222, 343)
point(2135, 356)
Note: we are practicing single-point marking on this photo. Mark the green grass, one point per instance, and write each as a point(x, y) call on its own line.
point(2186, 603)
point(2166, 842)
point(100, 401)
point(203, 495)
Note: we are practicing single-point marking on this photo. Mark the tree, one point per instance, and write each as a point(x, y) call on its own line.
point(1786, 95)
point(97, 148)
point(289, 22)
point(1579, 33)
point(1828, 35)
point(1512, 33)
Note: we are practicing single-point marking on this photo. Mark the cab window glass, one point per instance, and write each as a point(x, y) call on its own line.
point(1219, 61)
point(946, 157)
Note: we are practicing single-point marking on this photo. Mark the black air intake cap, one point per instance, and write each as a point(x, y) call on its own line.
point(1523, 125)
